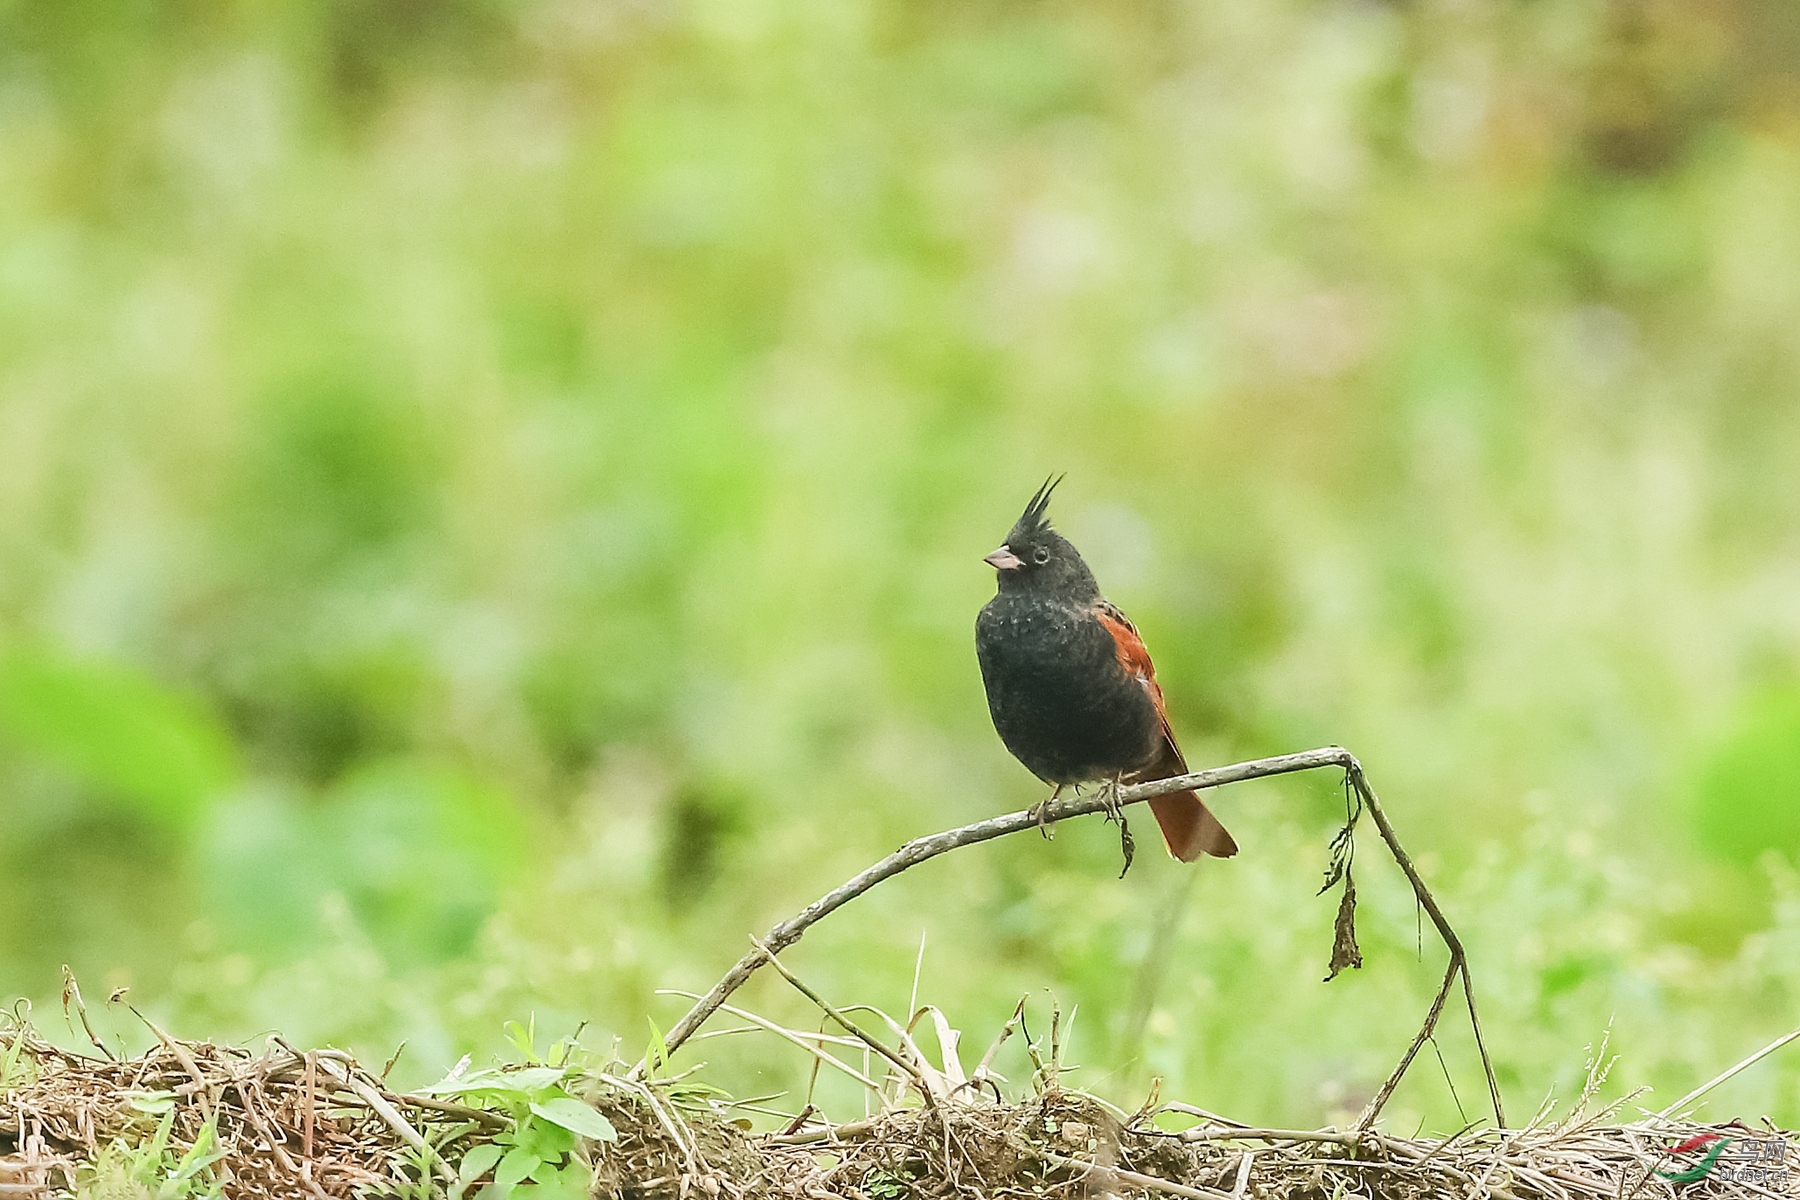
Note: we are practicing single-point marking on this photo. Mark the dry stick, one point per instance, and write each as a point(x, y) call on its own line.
point(1243, 1174)
point(387, 1112)
point(1151, 1183)
point(919, 850)
point(268, 1135)
point(1335, 1137)
point(1459, 960)
point(312, 1084)
point(851, 1027)
point(1203, 1114)
point(184, 1058)
point(1722, 1076)
point(480, 1116)
point(819, 1053)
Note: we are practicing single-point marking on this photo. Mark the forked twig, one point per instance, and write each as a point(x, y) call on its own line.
point(852, 1028)
point(919, 850)
point(1459, 959)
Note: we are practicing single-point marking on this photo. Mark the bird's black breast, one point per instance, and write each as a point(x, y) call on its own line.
point(1059, 698)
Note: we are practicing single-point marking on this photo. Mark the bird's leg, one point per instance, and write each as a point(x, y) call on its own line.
point(1037, 810)
point(1115, 811)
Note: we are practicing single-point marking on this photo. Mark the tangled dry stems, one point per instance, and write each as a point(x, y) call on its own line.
point(1066, 1145)
point(301, 1124)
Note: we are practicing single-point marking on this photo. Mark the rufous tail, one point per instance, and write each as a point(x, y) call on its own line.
point(1189, 827)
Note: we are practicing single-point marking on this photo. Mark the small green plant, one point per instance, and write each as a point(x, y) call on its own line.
point(15, 1067)
point(541, 1146)
point(880, 1184)
point(152, 1169)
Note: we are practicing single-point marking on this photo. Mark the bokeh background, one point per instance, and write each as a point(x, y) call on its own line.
point(492, 495)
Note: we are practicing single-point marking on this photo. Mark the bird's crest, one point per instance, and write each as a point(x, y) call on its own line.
point(1035, 519)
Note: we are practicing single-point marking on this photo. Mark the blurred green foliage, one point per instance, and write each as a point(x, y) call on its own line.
point(491, 498)
point(118, 731)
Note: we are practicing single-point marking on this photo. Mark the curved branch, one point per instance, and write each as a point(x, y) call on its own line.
point(919, 850)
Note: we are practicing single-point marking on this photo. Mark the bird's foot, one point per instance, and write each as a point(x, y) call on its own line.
point(1039, 812)
point(1109, 797)
point(1115, 811)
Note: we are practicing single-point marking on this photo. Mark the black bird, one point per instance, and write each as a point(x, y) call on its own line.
point(1071, 687)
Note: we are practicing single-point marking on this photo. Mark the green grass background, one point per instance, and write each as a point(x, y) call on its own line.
point(492, 495)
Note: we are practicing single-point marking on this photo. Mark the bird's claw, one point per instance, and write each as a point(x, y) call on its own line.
point(1040, 811)
point(1109, 796)
point(1115, 812)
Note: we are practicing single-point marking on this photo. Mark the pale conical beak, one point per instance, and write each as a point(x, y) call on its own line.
point(1004, 559)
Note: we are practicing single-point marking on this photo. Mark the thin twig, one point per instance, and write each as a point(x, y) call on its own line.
point(71, 995)
point(184, 1058)
point(1334, 1137)
point(1133, 1178)
point(820, 1055)
point(1243, 1175)
point(387, 1112)
point(268, 1135)
point(1722, 1076)
point(854, 1030)
point(312, 1091)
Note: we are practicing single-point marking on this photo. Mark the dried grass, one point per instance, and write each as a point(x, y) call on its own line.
point(1067, 1146)
point(286, 1125)
point(297, 1125)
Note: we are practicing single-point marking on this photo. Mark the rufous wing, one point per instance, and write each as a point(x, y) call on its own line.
point(1188, 827)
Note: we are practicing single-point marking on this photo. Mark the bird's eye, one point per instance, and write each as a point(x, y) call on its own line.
point(1041, 555)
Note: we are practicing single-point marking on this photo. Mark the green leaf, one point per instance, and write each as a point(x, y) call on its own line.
point(533, 1079)
point(153, 1149)
point(544, 1138)
point(524, 1039)
point(515, 1166)
point(884, 1185)
point(457, 1082)
point(10, 1063)
point(577, 1117)
point(478, 1162)
point(154, 1103)
point(199, 1156)
point(656, 1054)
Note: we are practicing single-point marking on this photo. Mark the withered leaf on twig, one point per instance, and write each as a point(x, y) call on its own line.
point(1344, 951)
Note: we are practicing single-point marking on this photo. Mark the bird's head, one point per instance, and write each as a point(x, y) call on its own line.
point(1036, 556)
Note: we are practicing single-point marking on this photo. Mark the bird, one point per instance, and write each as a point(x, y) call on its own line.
point(1070, 684)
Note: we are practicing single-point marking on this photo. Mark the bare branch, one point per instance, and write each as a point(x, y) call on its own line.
point(920, 850)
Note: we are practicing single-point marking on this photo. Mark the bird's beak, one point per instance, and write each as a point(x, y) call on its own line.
point(1004, 559)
